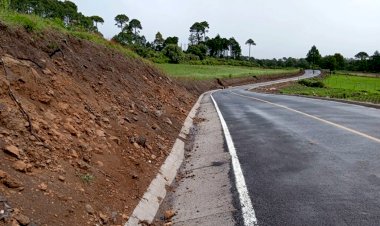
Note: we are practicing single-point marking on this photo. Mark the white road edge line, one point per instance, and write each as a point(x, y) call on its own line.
point(248, 212)
point(313, 117)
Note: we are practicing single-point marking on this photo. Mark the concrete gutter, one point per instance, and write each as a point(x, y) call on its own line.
point(148, 206)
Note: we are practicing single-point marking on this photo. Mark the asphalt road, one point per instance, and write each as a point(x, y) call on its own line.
point(306, 161)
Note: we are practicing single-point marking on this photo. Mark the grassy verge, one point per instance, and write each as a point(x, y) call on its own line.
point(36, 24)
point(204, 72)
point(357, 88)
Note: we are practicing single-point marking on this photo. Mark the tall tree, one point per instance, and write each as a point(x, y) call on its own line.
point(362, 55)
point(313, 56)
point(235, 48)
point(158, 41)
point(198, 32)
point(171, 41)
point(96, 20)
point(135, 26)
point(250, 42)
point(121, 21)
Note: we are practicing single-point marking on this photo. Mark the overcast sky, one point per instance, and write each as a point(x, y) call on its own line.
point(281, 28)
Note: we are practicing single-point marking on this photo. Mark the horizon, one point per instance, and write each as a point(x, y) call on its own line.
point(293, 21)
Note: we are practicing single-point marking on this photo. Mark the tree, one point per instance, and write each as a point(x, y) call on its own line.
point(171, 41)
point(96, 20)
point(198, 32)
point(234, 47)
point(340, 61)
point(217, 46)
point(362, 56)
point(313, 56)
point(329, 62)
point(376, 62)
point(250, 42)
point(121, 21)
point(158, 42)
point(135, 26)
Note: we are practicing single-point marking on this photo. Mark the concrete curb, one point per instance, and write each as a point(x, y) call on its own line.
point(148, 206)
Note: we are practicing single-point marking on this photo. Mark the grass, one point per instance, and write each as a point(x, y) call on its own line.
point(36, 24)
point(204, 72)
point(357, 88)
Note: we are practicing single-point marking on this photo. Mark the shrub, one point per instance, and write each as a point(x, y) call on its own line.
point(312, 83)
point(174, 53)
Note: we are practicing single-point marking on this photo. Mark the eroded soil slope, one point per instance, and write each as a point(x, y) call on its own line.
point(83, 129)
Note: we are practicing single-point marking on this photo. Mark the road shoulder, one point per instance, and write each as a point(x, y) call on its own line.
point(203, 193)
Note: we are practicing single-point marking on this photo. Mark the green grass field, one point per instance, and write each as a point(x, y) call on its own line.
point(204, 72)
point(357, 88)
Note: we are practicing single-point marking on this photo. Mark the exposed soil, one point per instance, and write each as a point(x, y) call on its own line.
point(83, 130)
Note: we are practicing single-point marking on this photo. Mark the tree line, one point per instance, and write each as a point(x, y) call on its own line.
point(362, 61)
point(65, 11)
point(200, 45)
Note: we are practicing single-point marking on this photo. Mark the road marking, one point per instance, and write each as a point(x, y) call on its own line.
point(248, 212)
point(313, 117)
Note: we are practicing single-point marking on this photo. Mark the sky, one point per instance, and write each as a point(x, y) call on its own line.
point(280, 28)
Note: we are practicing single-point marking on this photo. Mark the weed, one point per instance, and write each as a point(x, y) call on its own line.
point(87, 178)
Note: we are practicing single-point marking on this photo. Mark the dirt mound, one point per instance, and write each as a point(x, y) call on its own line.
point(83, 129)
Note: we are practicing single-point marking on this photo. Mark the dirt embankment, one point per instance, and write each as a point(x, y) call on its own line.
point(83, 130)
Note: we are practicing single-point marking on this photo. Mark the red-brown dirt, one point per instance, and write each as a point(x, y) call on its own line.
point(83, 129)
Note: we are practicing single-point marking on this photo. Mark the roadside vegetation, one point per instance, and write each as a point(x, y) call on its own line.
point(340, 86)
point(203, 72)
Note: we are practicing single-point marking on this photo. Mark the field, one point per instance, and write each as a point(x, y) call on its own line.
point(357, 88)
point(204, 72)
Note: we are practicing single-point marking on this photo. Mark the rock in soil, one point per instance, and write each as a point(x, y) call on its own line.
point(22, 219)
point(89, 209)
point(12, 151)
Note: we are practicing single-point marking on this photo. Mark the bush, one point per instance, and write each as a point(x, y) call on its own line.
point(174, 53)
point(312, 83)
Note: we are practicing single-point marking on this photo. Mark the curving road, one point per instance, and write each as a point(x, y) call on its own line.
point(305, 161)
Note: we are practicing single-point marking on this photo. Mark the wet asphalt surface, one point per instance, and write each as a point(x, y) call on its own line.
point(300, 170)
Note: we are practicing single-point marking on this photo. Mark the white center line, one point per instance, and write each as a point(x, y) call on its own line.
point(248, 212)
point(313, 117)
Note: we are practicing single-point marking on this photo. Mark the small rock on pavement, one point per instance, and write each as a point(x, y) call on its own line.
point(12, 151)
point(169, 214)
point(22, 219)
point(89, 209)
